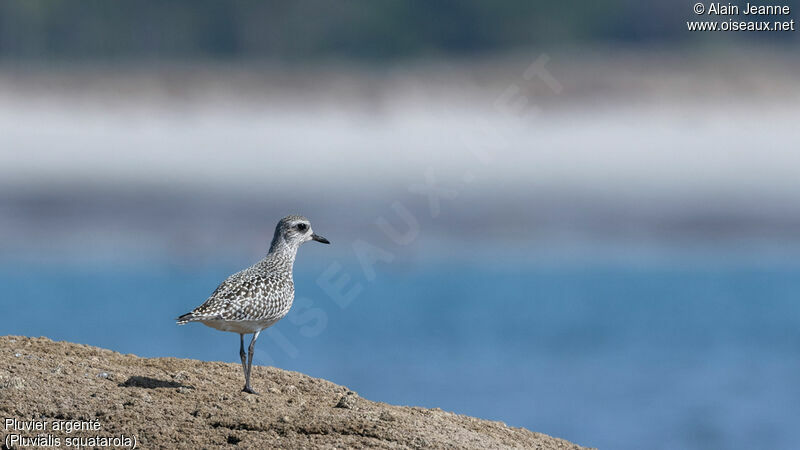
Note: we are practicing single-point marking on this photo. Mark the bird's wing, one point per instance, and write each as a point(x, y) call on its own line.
point(220, 300)
point(246, 297)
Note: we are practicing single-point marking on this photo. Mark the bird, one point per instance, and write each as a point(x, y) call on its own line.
point(257, 297)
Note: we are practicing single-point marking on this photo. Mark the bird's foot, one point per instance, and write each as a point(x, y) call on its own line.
point(249, 390)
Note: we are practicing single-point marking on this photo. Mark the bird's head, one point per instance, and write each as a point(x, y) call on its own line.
point(292, 231)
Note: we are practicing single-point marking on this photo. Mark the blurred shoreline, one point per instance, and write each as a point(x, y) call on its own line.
point(632, 75)
point(663, 148)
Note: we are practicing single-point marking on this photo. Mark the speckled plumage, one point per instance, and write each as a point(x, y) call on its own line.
point(251, 299)
point(259, 296)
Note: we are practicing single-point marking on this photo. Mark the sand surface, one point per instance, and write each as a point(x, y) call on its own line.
point(182, 403)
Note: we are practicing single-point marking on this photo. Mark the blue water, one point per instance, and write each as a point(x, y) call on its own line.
point(612, 356)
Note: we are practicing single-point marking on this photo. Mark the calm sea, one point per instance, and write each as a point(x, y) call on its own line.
point(614, 356)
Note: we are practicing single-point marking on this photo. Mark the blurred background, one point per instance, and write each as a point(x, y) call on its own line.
point(577, 218)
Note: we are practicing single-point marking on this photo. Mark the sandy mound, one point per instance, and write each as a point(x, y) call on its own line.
point(168, 403)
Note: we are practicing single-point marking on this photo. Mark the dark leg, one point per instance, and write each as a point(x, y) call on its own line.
point(250, 350)
point(243, 355)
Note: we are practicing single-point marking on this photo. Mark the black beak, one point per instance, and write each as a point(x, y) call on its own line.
point(319, 238)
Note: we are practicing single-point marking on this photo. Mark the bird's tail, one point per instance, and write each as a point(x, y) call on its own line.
point(186, 318)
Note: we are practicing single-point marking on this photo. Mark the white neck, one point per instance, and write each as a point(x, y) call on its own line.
point(280, 246)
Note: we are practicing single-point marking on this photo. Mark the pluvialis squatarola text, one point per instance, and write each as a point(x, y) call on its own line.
point(257, 297)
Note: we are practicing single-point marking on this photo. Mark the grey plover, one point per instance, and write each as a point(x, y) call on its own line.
point(257, 297)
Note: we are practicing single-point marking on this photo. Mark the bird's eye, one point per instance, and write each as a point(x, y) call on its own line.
point(302, 227)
